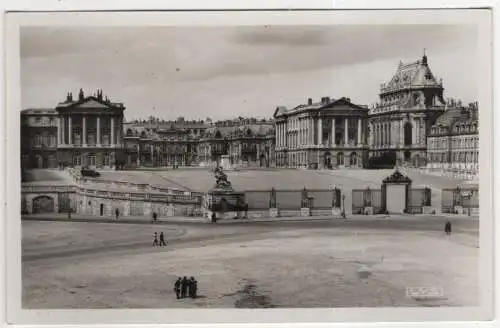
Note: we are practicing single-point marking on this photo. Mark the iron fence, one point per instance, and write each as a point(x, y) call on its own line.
point(465, 197)
point(419, 198)
point(362, 198)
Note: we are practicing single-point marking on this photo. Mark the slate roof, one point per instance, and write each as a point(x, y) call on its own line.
point(415, 74)
point(451, 116)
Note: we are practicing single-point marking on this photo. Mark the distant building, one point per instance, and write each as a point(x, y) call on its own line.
point(162, 143)
point(249, 142)
point(39, 138)
point(326, 134)
point(453, 142)
point(409, 105)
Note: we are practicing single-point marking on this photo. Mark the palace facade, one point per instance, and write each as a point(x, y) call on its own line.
point(79, 132)
point(325, 134)
point(91, 131)
point(453, 142)
point(247, 142)
point(409, 105)
point(411, 121)
point(156, 143)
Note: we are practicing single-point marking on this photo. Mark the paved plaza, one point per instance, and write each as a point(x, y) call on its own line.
point(260, 264)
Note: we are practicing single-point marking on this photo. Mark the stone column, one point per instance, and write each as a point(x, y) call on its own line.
point(370, 135)
point(417, 133)
point(152, 154)
point(414, 132)
point(333, 131)
point(359, 132)
point(388, 129)
point(98, 131)
point(63, 128)
point(279, 136)
point(84, 130)
point(58, 130)
point(346, 132)
point(320, 131)
point(401, 133)
point(112, 130)
point(70, 130)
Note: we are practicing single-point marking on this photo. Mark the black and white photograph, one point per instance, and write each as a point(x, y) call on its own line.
point(268, 164)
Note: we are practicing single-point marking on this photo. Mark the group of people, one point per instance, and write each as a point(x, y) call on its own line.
point(161, 241)
point(185, 287)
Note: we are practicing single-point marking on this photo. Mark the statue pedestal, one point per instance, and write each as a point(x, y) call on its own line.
point(224, 202)
point(225, 163)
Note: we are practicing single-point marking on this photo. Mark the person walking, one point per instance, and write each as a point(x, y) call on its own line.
point(155, 217)
point(162, 239)
point(177, 287)
point(447, 228)
point(193, 287)
point(184, 287)
point(117, 213)
point(155, 240)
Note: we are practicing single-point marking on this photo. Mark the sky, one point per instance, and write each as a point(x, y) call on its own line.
point(223, 72)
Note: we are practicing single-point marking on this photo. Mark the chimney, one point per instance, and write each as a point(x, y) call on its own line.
point(309, 101)
point(327, 100)
point(81, 96)
point(348, 100)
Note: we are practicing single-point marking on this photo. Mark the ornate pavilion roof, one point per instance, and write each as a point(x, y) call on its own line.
point(413, 75)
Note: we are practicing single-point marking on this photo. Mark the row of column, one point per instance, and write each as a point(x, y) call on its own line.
point(61, 130)
point(393, 133)
point(305, 134)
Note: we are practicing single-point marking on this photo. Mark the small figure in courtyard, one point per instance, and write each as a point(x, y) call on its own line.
point(193, 287)
point(177, 287)
point(155, 217)
point(184, 287)
point(155, 240)
point(214, 217)
point(69, 213)
point(117, 213)
point(447, 228)
point(162, 239)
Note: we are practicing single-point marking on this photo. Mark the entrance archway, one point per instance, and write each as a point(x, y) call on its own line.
point(407, 155)
point(353, 160)
point(408, 133)
point(43, 204)
point(340, 158)
point(262, 160)
point(39, 161)
point(327, 160)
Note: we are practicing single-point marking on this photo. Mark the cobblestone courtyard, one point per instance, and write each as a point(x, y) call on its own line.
point(303, 264)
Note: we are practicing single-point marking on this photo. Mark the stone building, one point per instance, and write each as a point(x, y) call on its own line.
point(453, 142)
point(325, 134)
point(248, 142)
point(89, 131)
point(39, 138)
point(162, 143)
point(409, 105)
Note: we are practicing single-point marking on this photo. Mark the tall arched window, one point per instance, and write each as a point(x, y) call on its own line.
point(408, 127)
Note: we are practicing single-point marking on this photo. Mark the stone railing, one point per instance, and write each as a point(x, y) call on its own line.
point(123, 195)
point(79, 180)
point(31, 188)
